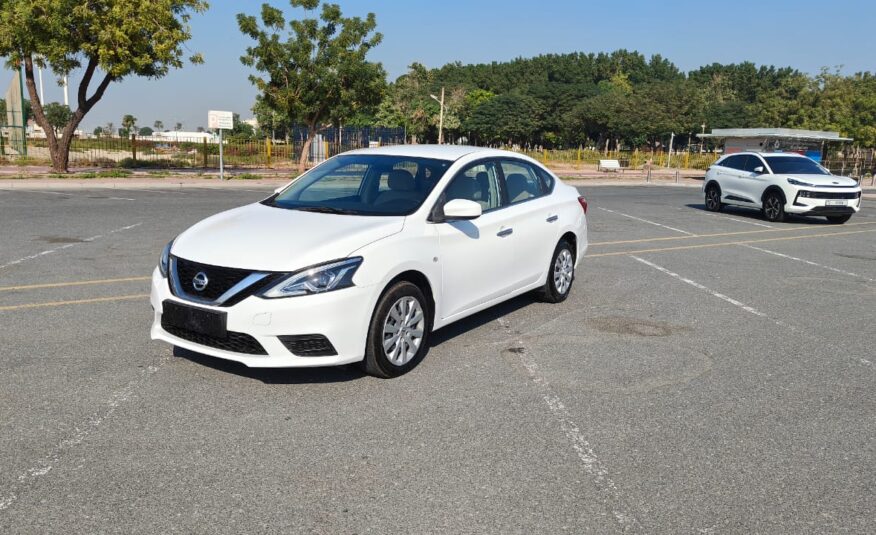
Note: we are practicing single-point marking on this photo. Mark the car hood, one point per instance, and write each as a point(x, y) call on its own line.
point(825, 180)
point(263, 238)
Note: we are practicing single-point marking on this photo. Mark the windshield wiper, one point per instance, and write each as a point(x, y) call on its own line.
point(324, 210)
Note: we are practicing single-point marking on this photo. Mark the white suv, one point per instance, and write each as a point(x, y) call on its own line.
point(780, 183)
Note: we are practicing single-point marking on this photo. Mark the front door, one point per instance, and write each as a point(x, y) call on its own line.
point(476, 256)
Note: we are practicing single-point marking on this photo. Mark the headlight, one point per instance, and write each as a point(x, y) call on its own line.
point(164, 261)
point(795, 182)
point(316, 280)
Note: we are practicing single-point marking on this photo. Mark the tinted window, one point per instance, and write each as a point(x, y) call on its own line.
point(794, 165)
point(733, 162)
point(752, 161)
point(521, 181)
point(478, 183)
point(363, 184)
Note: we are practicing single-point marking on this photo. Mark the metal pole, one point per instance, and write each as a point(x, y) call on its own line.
point(221, 162)
point(42, 95)
point(66, 98)
point(441, 120)
point(669, 155)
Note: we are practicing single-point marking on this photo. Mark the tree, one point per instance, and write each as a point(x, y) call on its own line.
point(319, 73)
point(108, 129)
point(57, 115)
point(98, 131)
point(200, 129)
point(158, 126)
point(111, 39)
point(145, 132)
point(177, 127)
point(129, 125)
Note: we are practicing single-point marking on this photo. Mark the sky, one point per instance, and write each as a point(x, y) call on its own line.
point(804, 34)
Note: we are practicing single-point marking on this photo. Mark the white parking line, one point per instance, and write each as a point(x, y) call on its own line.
point(50, 251)
point(80, 432)
point(811, 263)
point(647, 221)
point(67, 194)
point(722, 216)
point(592, 465)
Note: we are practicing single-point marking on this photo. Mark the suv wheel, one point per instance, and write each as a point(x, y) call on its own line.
point(713, 198)
point(839, 219)
point(774, 207)
point(398, 337)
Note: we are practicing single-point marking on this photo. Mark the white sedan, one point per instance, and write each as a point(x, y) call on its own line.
point(362, 257)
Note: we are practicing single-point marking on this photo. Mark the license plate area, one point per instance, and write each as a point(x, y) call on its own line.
point(199, 320)
point(835, 203)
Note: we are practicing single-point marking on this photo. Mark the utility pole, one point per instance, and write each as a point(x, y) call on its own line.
point(440, 116)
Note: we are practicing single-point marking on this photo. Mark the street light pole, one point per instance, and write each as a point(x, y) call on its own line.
point(440, 116)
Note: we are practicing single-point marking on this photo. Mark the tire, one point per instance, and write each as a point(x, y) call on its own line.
point(561, 274)
point(839, 219)
point(713, 198)
point(402, 303)
point(774, 207)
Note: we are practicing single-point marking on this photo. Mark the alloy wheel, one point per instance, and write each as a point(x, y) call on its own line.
point(564, 270)
point(712, 199)
point(772, 207)
point(403, 330)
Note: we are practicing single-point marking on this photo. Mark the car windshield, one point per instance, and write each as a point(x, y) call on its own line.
point(794, 165)
point(363, 184)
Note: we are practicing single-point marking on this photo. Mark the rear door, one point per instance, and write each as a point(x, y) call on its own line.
point(534, 218)
point(730, 178)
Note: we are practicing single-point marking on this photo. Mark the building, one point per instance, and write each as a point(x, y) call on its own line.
point(809, 143)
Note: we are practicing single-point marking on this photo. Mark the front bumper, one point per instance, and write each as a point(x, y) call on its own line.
point(802, 205)
point(341, 316)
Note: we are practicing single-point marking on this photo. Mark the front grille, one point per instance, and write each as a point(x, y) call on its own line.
point(234, 342)
point(221, 279)
point(308, 345)
point(830, 194)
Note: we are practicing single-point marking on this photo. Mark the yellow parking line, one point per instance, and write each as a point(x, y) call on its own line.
point(721, 234)
point(76, 302)
point(71, 283)
point(704, 245)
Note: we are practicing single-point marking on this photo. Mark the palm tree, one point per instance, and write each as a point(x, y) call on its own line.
point(159, 126)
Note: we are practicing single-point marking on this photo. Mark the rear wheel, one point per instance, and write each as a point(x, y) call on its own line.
point(713, 198)
point(839, 219)
point(561, 274)
point(398, 337)
point(774, 207)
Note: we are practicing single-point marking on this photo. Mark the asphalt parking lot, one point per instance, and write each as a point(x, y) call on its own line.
point(710, 373)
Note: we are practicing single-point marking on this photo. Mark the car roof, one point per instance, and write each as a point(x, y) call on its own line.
point(441, 152)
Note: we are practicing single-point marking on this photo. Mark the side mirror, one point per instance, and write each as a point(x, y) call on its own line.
point(461, 209)
point(759, 170)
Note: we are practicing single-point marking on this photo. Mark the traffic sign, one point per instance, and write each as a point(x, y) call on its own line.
point(221, 120)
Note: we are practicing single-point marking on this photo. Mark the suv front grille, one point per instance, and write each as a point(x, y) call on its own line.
point(830, 194)
point(234, 342)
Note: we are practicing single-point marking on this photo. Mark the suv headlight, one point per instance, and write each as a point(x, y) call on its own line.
point(795, 182)
point(316, 280)
point(164, 261)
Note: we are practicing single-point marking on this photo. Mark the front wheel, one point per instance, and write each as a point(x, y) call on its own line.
point(839, 219)
point(774, 207)
point(398, 336)
point(561, 274)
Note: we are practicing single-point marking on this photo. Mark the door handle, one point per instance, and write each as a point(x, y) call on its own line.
point(505, 232)
point(552, 218)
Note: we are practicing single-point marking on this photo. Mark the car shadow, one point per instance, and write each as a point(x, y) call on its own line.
point(340, 374)
point(754, 213)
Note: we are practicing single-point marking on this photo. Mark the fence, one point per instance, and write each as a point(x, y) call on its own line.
point(152, 151)
point(633, 159)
